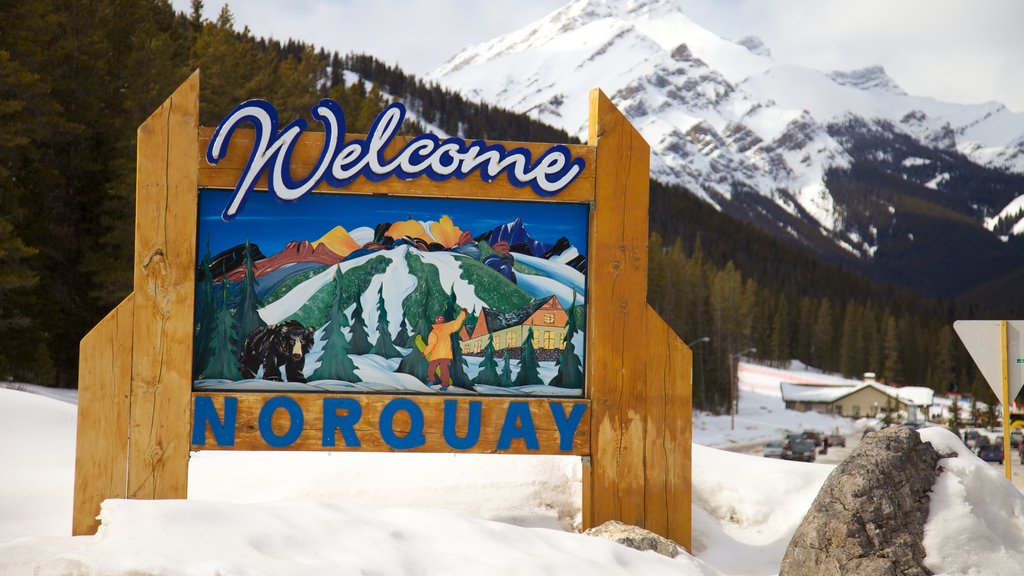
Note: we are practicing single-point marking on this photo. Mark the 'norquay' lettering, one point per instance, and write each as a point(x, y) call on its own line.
point(341, 418)
point(341, 162)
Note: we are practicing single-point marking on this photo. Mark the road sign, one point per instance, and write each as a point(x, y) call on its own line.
point(983, 339)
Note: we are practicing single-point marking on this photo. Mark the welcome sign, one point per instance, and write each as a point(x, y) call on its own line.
point(318, 290)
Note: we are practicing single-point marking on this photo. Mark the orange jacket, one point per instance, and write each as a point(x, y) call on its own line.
point(439, 344)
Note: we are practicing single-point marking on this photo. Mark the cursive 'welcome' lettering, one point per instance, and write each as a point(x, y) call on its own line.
point(341, 162)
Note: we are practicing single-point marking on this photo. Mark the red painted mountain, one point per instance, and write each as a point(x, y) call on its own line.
point(294, 252)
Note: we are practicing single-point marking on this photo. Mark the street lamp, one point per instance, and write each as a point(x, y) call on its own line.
point(734, 392)
point(700, 340)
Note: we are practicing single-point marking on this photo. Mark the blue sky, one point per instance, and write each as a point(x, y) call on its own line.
point(272, 224)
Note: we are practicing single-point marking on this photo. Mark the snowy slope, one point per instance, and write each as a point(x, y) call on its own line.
point(309, 513)
point(723, 117)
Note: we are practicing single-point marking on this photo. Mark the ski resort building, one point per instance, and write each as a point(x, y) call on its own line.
point(867, 399)
point(545, 316)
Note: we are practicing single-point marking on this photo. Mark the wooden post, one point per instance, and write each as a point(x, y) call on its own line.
point(638, 371)
point(1007, 455)
point(104, 387)
point(166, 205)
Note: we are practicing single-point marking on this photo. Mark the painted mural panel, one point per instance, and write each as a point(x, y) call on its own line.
point(356, 293)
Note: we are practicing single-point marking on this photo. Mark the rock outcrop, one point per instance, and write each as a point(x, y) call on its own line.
point(634, 537)
point(868, 518)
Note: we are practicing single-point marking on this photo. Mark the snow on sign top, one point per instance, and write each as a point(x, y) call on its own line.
point(983, 339)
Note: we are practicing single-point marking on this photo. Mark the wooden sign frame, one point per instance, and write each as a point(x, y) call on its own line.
point(135, 385)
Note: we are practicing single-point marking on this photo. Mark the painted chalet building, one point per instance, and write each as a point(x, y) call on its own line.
point(545, 317)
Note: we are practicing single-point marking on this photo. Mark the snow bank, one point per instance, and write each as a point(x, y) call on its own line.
point(976, 521)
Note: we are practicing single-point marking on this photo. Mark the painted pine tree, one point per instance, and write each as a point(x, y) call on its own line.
point(402, 338)
point(458, 366)
point(359, 340)
point(224, 343)
point(414, 363)
point(529, 367)
point(488, 374)
point(335, 363)
point(384, 346)
point(206, 314)
point(570, 368)
point(505, 381)
point(248, 303)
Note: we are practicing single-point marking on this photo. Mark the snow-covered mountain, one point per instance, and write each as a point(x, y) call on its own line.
point(753, 136)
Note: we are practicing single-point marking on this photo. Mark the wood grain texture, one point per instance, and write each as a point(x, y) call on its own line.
point(227, 172)
point(669, 436)
point(493, 414)
point(166, 204)
point(101, 445)
point(616, 315)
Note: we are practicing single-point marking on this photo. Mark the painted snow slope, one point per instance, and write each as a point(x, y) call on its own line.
point(394, 514)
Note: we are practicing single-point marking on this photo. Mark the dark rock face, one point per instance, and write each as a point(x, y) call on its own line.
point(868, 518)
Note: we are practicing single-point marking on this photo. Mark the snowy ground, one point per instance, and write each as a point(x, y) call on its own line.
point(390, 514)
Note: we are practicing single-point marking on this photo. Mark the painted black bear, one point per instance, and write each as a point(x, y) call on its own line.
point(270, 346)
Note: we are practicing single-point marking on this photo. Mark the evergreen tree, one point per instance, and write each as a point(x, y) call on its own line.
point(955, 422)
point(488, 374)
point(458, 365)
point(506, 371)
point(384, 346)
point(224, 345)
point(414, 364)
point(206, 314)
point(402, 338)
point(529, 374)
point(248, 315)
point(892, 369)
point(335, 363)
point(570, 369)
point(822, 355)
point(359, 341)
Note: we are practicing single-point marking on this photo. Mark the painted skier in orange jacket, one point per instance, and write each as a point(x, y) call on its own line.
point(439, 347)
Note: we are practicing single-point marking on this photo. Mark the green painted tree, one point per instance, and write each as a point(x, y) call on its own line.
point(384, 346)
point(248, 315)
point(488, 374)
point(570, 367)
point(335, 363)
point(458, 366)
point(506, 372)
point(402, 338)
point(529, 367)
point(206, 314)
point(224, 343)
point(359, 340)
point(414, 363)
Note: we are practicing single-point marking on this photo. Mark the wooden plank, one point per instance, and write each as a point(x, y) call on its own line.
point(166, 204)
point(104, 386)
point(227, 172)
point(656, 472)
point(494, 416)
point(616, 315)
point(669, 433)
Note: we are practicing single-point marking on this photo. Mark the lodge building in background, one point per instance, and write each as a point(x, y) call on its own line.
point(544, 316)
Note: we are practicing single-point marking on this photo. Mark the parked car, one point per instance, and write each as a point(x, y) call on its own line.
point(1015, 437)
point(814, 436)
point(803, 450)
point(837, 440)
point(773, 449)
point(991, 453)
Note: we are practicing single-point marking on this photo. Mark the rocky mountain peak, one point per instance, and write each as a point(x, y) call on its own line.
point(869, 78)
